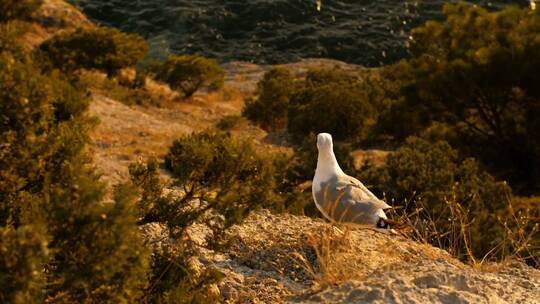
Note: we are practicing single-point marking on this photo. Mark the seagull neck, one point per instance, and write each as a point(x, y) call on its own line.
point(327, 162)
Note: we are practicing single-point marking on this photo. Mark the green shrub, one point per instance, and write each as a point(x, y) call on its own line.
point(23, 254)
point(100, 254)
point(397, 120)
point(221, 179)
point(48, 181)
point(189, 73)
point(102, 48)
point(224, 173)
point(177, 278)
point(331, 100)
point(18, 9)
point(430, 175)
point(26, 125)
point(476, 71)
point(125, 93)
point(228, 122)
point(72, 98)
point(40, 115)
point(270, 108)
point(146, 178)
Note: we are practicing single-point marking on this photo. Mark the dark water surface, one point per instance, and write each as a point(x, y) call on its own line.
point(274, 31)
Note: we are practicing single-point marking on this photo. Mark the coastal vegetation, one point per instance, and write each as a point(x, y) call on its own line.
point(189, 73)
point(333, 101)
point(103, 48)
point(462, 111)
point(51, 198)
point(475, 75)
point(461, 114)
point(221, 180)
point(18, 9)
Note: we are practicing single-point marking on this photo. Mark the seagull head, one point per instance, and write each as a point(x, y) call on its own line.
point(324, 142)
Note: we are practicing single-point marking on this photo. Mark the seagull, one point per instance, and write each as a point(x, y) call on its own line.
point(342, 198)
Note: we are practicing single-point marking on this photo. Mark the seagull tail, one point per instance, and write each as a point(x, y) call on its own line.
point(390, 224)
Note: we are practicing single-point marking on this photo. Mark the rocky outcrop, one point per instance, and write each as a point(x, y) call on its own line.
point(285, 258)
point(51, 18)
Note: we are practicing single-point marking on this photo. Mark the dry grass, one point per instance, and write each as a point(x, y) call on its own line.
point(142, 123)
point(333, 250)
point(333, 247)
point(521, 233)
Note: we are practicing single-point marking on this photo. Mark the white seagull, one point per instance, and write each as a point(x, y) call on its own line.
point(342, 198)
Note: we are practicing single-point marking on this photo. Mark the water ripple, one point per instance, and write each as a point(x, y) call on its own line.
point(274, 31)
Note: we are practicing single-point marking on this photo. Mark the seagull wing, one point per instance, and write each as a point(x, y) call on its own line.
point(345, 199)
point(357, 192)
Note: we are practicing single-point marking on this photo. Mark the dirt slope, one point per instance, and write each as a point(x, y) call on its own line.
point(274, 261)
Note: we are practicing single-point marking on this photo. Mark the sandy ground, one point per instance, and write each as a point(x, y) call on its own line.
point(128, 133)
point(275, 261)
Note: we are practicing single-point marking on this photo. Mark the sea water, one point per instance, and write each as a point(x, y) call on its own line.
point(365, 32)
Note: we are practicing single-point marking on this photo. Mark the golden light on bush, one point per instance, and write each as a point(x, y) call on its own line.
point(190, 73)
point(102, 48)
point(18, 9)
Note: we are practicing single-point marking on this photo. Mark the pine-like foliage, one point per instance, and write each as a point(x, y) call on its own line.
point(216, 172)
point(477, 71)
point(102, 48)
point(218, 180)
point(50, 196)
point(23, 252)
point(326, 100)
point(189, 73)
point(269, 109)
point(18, 9)
point(421, 174)
point(27, 135)
point(101, 257)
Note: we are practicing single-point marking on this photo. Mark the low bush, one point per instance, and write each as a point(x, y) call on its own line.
point(189, 73)
point(125, 93)
point(476, 71)
point(51, 197)
point(223, 173)
point(101, 256)
point(102, 48)
point(23, 252)
point(421, 174)
point(220, 180)
point(25, 133)
point(333, 100)
point(178, 277)
point(229, 122)
point(270, 109)
point(18, 9)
